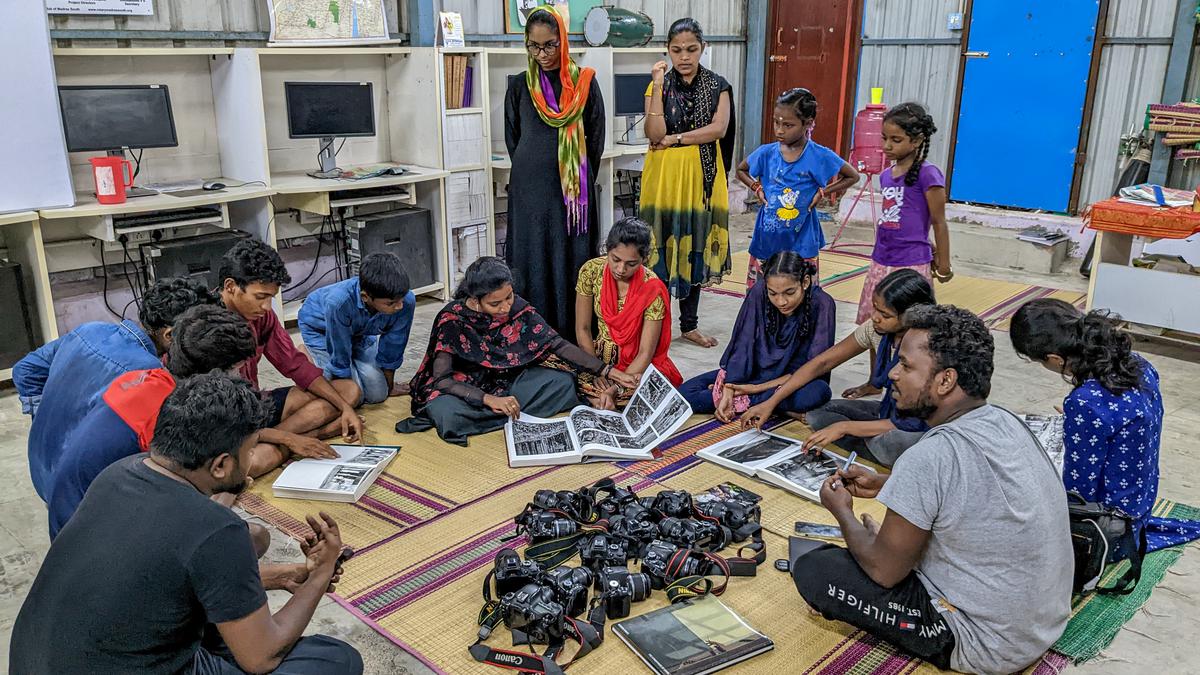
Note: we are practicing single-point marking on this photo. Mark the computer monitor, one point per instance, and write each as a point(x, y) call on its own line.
point(117, 117)
point(328, 110)
point(630, 94)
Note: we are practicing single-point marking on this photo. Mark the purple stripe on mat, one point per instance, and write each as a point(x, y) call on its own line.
point(386, 483)
point(850, 656)
point(384, 632)
point(480, 498)
point(418, 488)
point(832, 651)
point(379, 507)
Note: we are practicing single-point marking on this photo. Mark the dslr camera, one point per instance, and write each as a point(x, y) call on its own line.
point(570, 586)
point(695, 534)
point(601, 551)
point(619, 587)
point(534, 611)
point(511, 573)
point(571, 503)
point(664, 563)
point(542, 525)
point(673, 503)
point(731, 513)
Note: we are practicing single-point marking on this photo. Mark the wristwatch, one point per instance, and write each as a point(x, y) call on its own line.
point(678, 139)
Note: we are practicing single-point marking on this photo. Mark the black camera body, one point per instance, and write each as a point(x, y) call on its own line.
point(688, 533)
point(542, 525)
point(570, 586)
point(615, 502)
point(665, 563)
point(673, 503)
point(731, 513)
point(601, 551)
point(619, 587)
point(567, 501)
point(534, 611)
point(512, 573)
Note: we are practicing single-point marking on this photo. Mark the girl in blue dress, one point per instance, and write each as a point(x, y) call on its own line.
point(1112, 418)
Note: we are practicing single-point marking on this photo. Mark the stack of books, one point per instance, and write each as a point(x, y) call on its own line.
point(1041, 236)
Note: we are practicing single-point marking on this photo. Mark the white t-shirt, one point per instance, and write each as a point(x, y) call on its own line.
point(866, 336)
point(999, 561)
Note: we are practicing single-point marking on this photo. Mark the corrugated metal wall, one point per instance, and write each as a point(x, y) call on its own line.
point(925, 73)
point(1132, 67)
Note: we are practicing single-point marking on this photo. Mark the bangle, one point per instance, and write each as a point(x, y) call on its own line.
point(654, 114)
point(606, 371)
point(754, 187)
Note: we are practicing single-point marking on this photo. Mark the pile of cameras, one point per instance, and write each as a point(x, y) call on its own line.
point(673, 536)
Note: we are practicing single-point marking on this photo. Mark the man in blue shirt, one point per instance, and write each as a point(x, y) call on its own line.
point(59, 382)
point(122, 422)
point(358, 329)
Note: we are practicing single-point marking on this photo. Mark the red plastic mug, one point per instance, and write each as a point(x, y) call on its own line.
point(112, 175)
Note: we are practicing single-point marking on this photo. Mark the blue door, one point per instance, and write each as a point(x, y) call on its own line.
point(1023, 93)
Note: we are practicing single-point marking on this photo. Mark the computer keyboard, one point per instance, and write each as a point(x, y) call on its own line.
point(399, 192)
point(164, 217)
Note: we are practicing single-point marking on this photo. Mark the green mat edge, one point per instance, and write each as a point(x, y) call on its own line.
point(1097, 624)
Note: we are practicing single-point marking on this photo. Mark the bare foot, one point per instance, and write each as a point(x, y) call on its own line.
point(401, 389)
point(696, 337)
point(861, 391)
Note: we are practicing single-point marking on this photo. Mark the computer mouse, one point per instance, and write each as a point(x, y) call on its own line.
point(394, 171)
point(212, 185)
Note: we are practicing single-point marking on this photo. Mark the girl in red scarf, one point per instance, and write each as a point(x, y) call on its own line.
point(631, 311)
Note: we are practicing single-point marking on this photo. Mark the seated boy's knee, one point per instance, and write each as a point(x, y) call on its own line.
point(350, 391)
point(261, 537)
point(811, 571)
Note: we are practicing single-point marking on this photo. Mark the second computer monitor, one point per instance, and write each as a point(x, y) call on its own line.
point(110, 118)
point(630, 94)
point(329, 109)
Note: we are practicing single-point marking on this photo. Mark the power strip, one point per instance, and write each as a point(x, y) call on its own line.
point(134, 239)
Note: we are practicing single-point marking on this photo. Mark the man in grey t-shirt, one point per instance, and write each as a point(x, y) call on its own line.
point(971, 567)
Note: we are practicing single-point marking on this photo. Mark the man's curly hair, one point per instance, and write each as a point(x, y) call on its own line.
point(251, 261)
point(169, 298)
point(959, 340)
point(208, 338)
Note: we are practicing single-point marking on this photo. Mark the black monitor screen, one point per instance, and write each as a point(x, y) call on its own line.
point(111, 118)
point(631, 94)
point(321, 109)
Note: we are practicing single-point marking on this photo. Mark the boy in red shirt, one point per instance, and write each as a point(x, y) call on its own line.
point(251, 275)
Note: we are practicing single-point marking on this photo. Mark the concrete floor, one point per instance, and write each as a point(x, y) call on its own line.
point(1154, 641)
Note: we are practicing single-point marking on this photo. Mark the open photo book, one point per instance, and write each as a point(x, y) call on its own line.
point(344, 479)
point(656, 410)
point(1048, 429)
point(693, 637)
point(777, 460)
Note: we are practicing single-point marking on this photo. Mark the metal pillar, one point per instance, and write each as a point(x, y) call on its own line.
point(422, 22)
point(751, 118)
point(1174, 84)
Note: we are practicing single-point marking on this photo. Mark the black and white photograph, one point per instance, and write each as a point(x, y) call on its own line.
point(646, 439)
point(595, 436)
point(655, 387)
point(1049, 431)
point(757, 449)
point(541, 439)
point(807, 470)
point(676, 408)
point(345, 478)
point(372, 456)
point(586, 418)
point(638, 412)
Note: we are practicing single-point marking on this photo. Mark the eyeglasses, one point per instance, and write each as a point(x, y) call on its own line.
point(535, 49)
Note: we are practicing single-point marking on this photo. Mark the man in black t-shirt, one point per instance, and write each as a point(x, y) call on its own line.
point(136, 579)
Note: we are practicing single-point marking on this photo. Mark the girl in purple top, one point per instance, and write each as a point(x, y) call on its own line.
point(914, 202)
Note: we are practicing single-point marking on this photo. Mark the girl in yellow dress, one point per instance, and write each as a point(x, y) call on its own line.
point(685, 196)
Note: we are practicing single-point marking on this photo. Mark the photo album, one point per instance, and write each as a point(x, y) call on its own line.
point(693, 637)
point(344, 479)
point(777, 460)
point(586, 434)
point(1049, 431)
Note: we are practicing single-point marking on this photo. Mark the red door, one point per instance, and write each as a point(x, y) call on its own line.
point(814, 44)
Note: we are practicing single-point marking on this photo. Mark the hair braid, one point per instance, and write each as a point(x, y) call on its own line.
point(914, 121)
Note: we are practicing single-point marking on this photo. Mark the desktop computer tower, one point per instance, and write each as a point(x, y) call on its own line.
point(198, 256)
point(407, 232)
point(16, 331)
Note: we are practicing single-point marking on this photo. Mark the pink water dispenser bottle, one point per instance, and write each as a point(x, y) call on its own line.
point(867, 154)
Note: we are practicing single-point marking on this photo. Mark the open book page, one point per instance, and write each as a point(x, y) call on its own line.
point(535, 441)
point(355, 465)
point(656, 411)
point(803, 472)
point(750, 450)
point(1049, 431)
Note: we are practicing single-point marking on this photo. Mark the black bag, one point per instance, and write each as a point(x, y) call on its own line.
point(1099, 532)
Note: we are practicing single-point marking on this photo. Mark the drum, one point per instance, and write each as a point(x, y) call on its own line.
point(617, 27)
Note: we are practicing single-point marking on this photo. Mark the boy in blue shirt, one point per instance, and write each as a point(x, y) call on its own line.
point(59, 382)
point(790, 177)
point(358, 329)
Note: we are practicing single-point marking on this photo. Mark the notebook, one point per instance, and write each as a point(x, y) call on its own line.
point(693, 637)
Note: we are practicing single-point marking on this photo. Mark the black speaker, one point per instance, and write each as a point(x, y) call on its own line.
point(198, 256)
point(16, 330)
point(407, 232)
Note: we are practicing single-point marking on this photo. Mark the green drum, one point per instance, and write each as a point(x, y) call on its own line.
point(616, 27)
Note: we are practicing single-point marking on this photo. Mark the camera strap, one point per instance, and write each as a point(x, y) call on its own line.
point(588, 633)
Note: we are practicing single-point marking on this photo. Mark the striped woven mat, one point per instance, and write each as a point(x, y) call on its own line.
point(843, 275)
point(428, 530)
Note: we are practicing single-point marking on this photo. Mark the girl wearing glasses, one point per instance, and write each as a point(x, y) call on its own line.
point(790, 176)
point(554, 130)
point(685, 195)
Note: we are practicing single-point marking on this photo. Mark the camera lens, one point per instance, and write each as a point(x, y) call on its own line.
point(639, 586)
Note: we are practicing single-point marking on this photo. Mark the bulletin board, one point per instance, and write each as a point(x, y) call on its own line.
point(578, 9)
